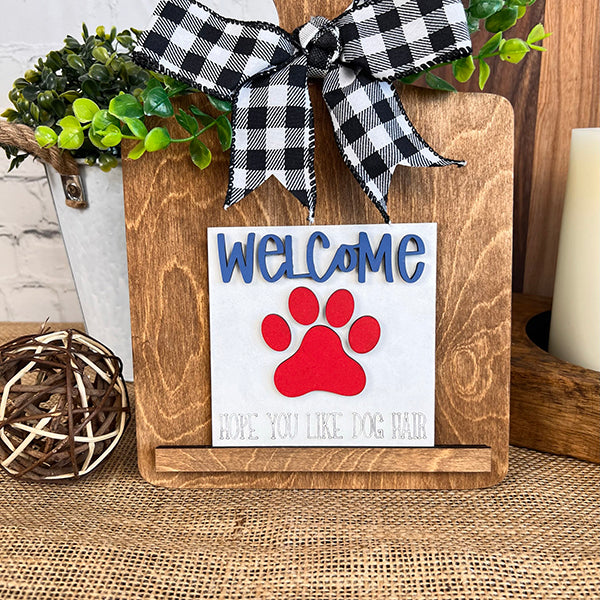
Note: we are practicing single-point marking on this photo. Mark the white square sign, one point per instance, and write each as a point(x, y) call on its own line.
point(323, 336)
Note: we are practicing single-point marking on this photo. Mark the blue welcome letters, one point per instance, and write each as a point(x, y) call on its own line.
point(347, 257)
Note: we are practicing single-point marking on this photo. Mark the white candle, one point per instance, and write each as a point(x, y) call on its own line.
point(575, 326)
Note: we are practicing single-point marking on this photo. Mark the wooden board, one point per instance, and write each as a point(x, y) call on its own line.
point(554, 405)
point(168, 206)
point(338, 460)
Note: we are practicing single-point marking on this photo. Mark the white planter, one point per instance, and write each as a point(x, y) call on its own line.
point(95, 243)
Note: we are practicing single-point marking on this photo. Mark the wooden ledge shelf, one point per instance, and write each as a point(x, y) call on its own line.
point(197, 459)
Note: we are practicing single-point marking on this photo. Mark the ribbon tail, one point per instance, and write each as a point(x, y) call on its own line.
point(273, 135)
point(373, 132)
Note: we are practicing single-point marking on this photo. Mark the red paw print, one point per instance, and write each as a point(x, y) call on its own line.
point(320, 363)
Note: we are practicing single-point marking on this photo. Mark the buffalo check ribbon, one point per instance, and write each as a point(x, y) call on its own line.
point(264, 71)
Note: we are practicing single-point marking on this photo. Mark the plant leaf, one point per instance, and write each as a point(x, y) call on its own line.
point(45, 136)
point(187, 122)
point(224, 132)
point(101, 54)
point(138, 150)
point(484, 73)
point(157, 103)
point(106, 162)
point(178, 88)
point(90, 88)
point(85, 109)
point(485, 8)
point(137, 128)
point(205, 119)
point(157, 139)
point(491, 45)
point(15, 163)
point(96, 140)
point(514, 50)
point(70, 96)
point(537, 34)
point(75, 62)
point(112, 136)
point(70, 122)
point(220, 105)
point(200, 154)
point(502, 20)
point(411, 78)
point(150, 84)
point(71, 138)
point(30, 93)
point(99, 73)
point(463, 68)
point(10, 114)
point(125, 106)
point(437, 83)
point(101, 120)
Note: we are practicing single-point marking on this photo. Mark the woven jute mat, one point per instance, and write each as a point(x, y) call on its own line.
point(113, 536)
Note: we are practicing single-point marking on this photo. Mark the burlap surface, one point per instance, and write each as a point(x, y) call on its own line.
point(113, 536)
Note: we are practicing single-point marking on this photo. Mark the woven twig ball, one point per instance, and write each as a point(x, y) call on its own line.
point(64, 405)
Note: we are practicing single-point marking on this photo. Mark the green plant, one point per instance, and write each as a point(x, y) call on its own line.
point(497, 17)
point(89, 96)
point(98, 68)
point(125, 119)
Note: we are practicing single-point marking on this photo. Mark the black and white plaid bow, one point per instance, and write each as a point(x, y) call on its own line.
point(264, 71)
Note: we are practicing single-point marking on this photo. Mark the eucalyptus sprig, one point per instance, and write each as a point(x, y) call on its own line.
point(497, 17)
point(124, 119)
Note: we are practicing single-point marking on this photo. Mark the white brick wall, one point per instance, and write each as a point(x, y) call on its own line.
point(35, 279)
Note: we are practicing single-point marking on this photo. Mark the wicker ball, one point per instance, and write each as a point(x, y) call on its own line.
point(64, 405)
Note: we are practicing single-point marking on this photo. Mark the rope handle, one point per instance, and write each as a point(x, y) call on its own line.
point(23, 137)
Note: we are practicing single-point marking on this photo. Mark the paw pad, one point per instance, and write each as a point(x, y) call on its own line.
point(320, 363)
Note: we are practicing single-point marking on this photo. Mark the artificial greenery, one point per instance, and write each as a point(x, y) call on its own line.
point(496, 17)
point(124, 119)
point(89, 96)
point(98, 68)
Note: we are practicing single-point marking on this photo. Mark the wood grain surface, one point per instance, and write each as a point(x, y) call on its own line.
point(372, 460)
point(554, 405)
point(519, 83)
point(569, 97)
point(169, 204)
point(552, 93)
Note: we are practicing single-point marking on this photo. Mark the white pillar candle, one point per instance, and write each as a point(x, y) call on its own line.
point(575, 326)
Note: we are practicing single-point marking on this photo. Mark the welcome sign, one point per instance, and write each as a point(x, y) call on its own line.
point(323, 336)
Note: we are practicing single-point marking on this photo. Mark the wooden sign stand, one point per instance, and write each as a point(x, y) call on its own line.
point(169, 204)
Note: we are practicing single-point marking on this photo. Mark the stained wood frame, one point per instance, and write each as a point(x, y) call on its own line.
point(169, 205)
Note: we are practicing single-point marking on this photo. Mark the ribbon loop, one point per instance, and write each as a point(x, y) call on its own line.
point(192, 43)
point(395, 38)
point(264, 71)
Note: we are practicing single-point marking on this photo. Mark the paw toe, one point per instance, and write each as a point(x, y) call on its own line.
point(364, 334)
point(339, 308)
point(276, 332)
point(303, 305)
